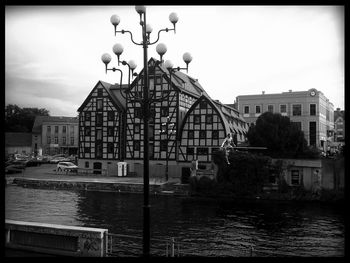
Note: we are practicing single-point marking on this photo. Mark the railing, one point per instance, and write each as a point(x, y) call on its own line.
point(119, 245)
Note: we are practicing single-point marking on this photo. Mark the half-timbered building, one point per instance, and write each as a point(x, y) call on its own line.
point(171, 97)
point(101, 131)
point(204, 128)
point(185, 124)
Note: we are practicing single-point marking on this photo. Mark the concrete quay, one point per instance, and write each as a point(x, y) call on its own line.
point(46, 177)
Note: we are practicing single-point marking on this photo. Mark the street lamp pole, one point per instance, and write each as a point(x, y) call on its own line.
point(145, 102)
point(146, 206)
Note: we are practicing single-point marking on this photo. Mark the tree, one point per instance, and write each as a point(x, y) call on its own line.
point(21, 119)
point(282, 137)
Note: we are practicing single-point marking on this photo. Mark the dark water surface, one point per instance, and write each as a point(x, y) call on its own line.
point(212, 227)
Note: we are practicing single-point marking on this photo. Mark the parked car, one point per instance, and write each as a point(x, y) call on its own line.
point(59, 159)
point(67, 167)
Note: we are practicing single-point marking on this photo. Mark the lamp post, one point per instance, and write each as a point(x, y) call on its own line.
point(145, 102)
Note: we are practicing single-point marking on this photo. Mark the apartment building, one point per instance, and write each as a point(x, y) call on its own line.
point(311, 110)
point(55, 135)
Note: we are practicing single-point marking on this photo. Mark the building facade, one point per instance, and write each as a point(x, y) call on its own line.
point(310, 110)
point(170, 116)
point(339, 126)
point(55, 135)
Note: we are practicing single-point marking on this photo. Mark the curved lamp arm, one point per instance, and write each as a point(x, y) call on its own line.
point(166, 30)
point(131, 36)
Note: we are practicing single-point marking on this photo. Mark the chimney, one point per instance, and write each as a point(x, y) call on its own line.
point(263, 92)
point(290, 90)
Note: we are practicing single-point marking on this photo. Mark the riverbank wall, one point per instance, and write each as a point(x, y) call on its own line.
point(121, 187)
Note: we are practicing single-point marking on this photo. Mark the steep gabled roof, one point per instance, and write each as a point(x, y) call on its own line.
point(210, 101)
point(113, 92)
point(179, 80)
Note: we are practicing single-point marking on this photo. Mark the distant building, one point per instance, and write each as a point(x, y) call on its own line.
point(310, 110)
point(18, 142)
point(55, 135)
point(186, 125)
point(339, 125)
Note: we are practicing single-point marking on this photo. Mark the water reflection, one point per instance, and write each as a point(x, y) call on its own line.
point(221, 228)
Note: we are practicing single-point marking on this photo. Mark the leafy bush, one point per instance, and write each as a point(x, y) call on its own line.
point(245, 176)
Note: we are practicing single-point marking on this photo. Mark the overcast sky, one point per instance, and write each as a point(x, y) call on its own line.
point(53, 53)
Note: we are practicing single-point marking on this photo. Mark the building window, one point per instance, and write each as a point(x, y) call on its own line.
point(163, 145)
point(283, 108)
point(99, 105)
point(137, 112)
point(202, 151)
point(164, 112)
point(202, 134)
point(312, 109)
point(136, 145)
point(190, 151)
point(197, 119)
point(110, 115)
point(56, 129)
point(110, 147)
point(203, 104)
point(98, 147)
point(215, 134)
point(64, 129)
point(110, 131)
point(48, 129)
point(270, 108)
point(87, 164)
point(100, 92)
point(295, 177)
point(158, 79)
point(64, 140)
point(98, 134)
point(137, 128)
point(56, 140)
point(87, 116)
point(209, 119)
point(99, 119)
point(87, 150)
point(190, 134)
point(87, 131)
point(312, 133)
point(297, 110)
point(246, 109)
point(71, 140)
point(257, 109)
point(48, 139)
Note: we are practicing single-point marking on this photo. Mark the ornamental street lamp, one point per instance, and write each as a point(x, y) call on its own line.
point(145, 100)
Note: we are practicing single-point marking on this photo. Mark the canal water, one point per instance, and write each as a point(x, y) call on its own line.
point(210, 227)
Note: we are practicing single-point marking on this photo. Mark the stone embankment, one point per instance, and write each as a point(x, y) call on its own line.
point(122, 187)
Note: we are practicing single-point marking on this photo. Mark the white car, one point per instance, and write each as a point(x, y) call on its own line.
point(66, 167)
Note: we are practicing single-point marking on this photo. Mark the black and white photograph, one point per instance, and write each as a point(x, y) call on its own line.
point(175, 131)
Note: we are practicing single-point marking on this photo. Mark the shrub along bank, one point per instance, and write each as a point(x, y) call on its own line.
point(246, 176)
